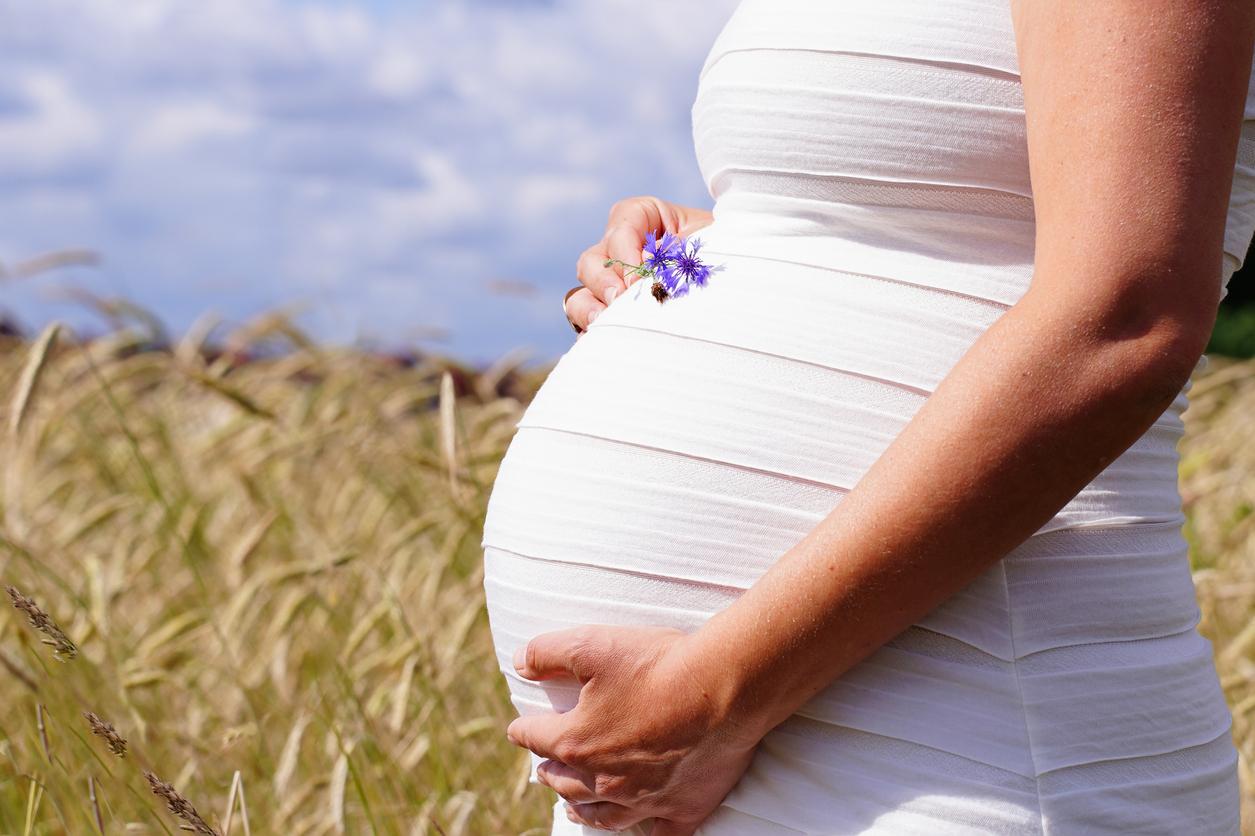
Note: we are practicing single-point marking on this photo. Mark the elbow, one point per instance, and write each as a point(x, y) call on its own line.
point(1141, 370)
point(1141, 311)
point(1159, 342)
point(1169, 354)
point(1147, 324)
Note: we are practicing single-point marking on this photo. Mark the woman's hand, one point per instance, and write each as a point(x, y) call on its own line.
point(630, 221)
point(648, 738)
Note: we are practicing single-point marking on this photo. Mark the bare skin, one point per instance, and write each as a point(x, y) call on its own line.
point(1134, 109)
point(629, 222)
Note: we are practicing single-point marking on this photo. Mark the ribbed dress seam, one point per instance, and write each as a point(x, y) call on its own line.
point(1019, 690)
point(857, 180)
point(744, 468)
point(957, 66)
point(972, 297)
point(871, 378)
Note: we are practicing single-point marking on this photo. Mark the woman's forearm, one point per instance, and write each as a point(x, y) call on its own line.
point(1039, 405)
point(1132, 144)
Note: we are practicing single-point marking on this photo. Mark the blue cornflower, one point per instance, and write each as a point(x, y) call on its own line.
point(687, 269)
point(660, 253)
point(672, 262)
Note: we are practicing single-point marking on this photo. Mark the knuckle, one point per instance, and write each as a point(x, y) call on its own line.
point(570, 750)
point(586, 260)
point(584, 645)
point(615, 234)
point(628, 234)
point(634, 203)
point(610, 786)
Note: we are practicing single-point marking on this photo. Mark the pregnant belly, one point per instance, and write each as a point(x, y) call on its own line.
point(676, 451)
point(697, 440)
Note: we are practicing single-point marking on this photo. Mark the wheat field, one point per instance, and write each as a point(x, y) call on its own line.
point(247, 586)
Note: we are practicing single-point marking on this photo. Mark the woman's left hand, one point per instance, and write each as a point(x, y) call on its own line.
point(650, 736)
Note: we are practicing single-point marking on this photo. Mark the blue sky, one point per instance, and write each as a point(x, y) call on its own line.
point(377, 166)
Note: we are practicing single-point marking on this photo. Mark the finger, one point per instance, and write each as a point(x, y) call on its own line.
point(557, 653)
point(605, 815)
point(603, 281)
point(583, 307)
point(567, 781)
point(642, 213)
point(663, 827)
point(625, 243)
point(538, 733)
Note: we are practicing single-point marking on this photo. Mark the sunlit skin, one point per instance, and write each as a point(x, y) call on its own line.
point(629, 222)
point(1133, 113)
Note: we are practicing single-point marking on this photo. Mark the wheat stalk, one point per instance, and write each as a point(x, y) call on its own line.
point(62, 648)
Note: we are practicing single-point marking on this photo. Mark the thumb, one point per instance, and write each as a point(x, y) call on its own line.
point(538, 733)
point(558, 653)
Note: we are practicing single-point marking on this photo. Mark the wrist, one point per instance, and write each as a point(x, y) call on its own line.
point(693, 219)
point(733, 704)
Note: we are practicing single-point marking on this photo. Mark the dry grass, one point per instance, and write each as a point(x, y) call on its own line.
point(272, 569)
point(270, 573)
point(1218, 488)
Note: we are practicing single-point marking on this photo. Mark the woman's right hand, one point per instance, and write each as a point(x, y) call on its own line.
point(630, 221)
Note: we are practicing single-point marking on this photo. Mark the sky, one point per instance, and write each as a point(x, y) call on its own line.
point(395, 174)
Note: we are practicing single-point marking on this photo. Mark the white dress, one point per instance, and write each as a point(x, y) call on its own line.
point(873, 210)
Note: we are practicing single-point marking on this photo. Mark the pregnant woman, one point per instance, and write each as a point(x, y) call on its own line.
point(878, 532)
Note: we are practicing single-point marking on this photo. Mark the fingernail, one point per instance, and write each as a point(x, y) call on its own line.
point(593, 315)
point(610, 294)
point(520, 659)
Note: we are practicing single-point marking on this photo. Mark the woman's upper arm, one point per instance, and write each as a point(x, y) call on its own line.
point(1134, 108)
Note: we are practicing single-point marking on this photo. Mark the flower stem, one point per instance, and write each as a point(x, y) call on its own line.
point(639, 269)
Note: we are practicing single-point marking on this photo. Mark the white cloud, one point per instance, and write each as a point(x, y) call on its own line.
point(397, 72)
point(48, 127)
point(241, 153)
point(173, 128)
point(547, 195)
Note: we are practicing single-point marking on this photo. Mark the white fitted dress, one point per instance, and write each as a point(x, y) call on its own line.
point(874, 213)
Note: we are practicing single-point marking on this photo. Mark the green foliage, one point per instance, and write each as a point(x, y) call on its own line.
point(1234, 334)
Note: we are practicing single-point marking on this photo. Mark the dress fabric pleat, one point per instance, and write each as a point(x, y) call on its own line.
point(874, 215)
